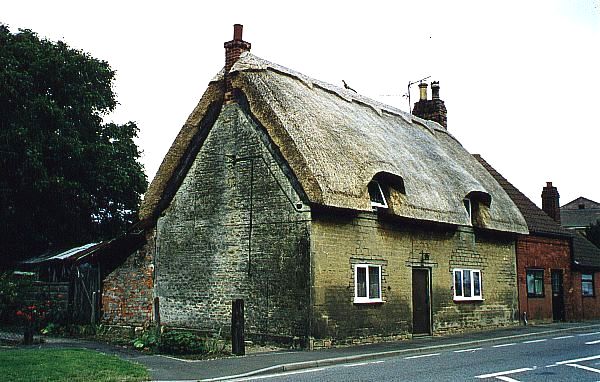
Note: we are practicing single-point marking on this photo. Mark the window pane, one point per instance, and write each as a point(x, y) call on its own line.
point(467, 283)
point(530, 283)
point(539, 286)
point(361, 282)
point(587, 284)
point(458, 283)
point(476, 284)
point(375, 193)
point(374, 282)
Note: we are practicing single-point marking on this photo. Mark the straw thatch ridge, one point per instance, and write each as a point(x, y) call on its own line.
point(336, 141)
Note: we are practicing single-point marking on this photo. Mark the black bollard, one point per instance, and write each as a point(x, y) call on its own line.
point(238, 346)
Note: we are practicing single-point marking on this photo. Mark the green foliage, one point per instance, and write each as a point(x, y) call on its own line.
point(186, 342)
point(149, 339)
point(66, 177)
point(67, 365)
point(592, 232)
point(11, 294)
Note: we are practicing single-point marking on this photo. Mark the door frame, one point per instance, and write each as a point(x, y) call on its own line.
point(429, 298)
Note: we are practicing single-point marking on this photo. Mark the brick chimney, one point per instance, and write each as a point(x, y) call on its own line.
point(433, 109)
point(233, 50)
point(550, 203)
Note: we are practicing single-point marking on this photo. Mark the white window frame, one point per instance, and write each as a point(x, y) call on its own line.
point(468, 206)
point(377, 204)
point(462, 297)
point(367, 299)
point(588, 281)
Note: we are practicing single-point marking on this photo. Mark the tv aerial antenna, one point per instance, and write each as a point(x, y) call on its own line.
point(410, 83)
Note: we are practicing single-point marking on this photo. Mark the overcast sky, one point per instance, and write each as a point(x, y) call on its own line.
point(520, 79)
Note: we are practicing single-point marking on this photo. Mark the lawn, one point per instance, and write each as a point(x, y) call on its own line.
point(67, 365)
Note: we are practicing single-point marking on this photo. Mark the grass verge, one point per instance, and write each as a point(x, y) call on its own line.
point(67, 365)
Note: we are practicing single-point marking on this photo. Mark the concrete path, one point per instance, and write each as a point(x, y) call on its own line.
point(167, 368)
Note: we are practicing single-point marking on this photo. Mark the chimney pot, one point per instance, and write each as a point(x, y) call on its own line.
point(237, 32)
point(435, 90)
point(423, 91)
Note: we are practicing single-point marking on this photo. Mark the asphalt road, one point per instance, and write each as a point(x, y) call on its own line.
point(572, 356)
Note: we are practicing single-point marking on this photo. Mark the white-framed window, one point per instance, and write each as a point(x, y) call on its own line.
point(367, 283)
point(376, 195)
point(535, 282)
point(467, 203)
point(467, 285)
point(587, 284)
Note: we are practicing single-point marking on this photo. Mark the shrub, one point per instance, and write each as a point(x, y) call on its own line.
point(187, 342)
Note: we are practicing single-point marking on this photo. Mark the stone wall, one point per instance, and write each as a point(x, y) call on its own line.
point(340, 240)
point(237, 228)
point(127, 291)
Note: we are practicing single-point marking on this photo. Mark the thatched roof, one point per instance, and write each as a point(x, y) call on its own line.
point(336, 141)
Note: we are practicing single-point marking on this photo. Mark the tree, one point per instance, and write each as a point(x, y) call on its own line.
point(66, 177)
point(592, 232)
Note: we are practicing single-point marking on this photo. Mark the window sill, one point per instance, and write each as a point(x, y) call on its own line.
point(588, 296)
point(368, 301)
point(468, 299)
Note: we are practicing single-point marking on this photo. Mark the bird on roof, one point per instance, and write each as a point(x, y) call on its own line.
point(348, 87)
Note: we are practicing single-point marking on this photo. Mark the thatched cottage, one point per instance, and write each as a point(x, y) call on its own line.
point(334, 217)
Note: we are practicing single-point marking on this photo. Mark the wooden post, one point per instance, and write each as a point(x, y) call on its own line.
point(238, 346)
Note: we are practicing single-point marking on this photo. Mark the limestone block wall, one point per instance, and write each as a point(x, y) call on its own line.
point(339, 241)
point(237, 228)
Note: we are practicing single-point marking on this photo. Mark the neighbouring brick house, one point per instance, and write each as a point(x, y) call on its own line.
point(579, 214)
point(557, 268)
point(334, 217)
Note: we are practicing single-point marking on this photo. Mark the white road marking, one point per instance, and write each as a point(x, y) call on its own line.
point(534, 341)
point(277, 375)
point(593, 342)
point(507, 379)
point(503, 345)
point(362, 364)
point(588, 334)
point(562, 338)
point(422, 356)
point(467, 350)
point(501, 373)
point(584, 368)
point(577, 360)
point(181, 359)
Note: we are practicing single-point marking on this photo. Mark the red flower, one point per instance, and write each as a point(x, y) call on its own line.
point(19, 313)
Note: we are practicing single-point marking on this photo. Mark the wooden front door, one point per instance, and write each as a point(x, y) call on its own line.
point(421, 298)
point(558, 304)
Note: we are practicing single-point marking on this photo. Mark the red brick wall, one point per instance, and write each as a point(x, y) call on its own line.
point(128, 290)
point(589, 307)
point(546, 253)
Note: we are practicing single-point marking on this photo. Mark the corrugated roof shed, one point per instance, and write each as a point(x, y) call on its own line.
point(70, 254)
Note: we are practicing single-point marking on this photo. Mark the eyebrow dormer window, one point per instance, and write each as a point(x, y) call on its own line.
point(467, 203)
point(376, 195)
